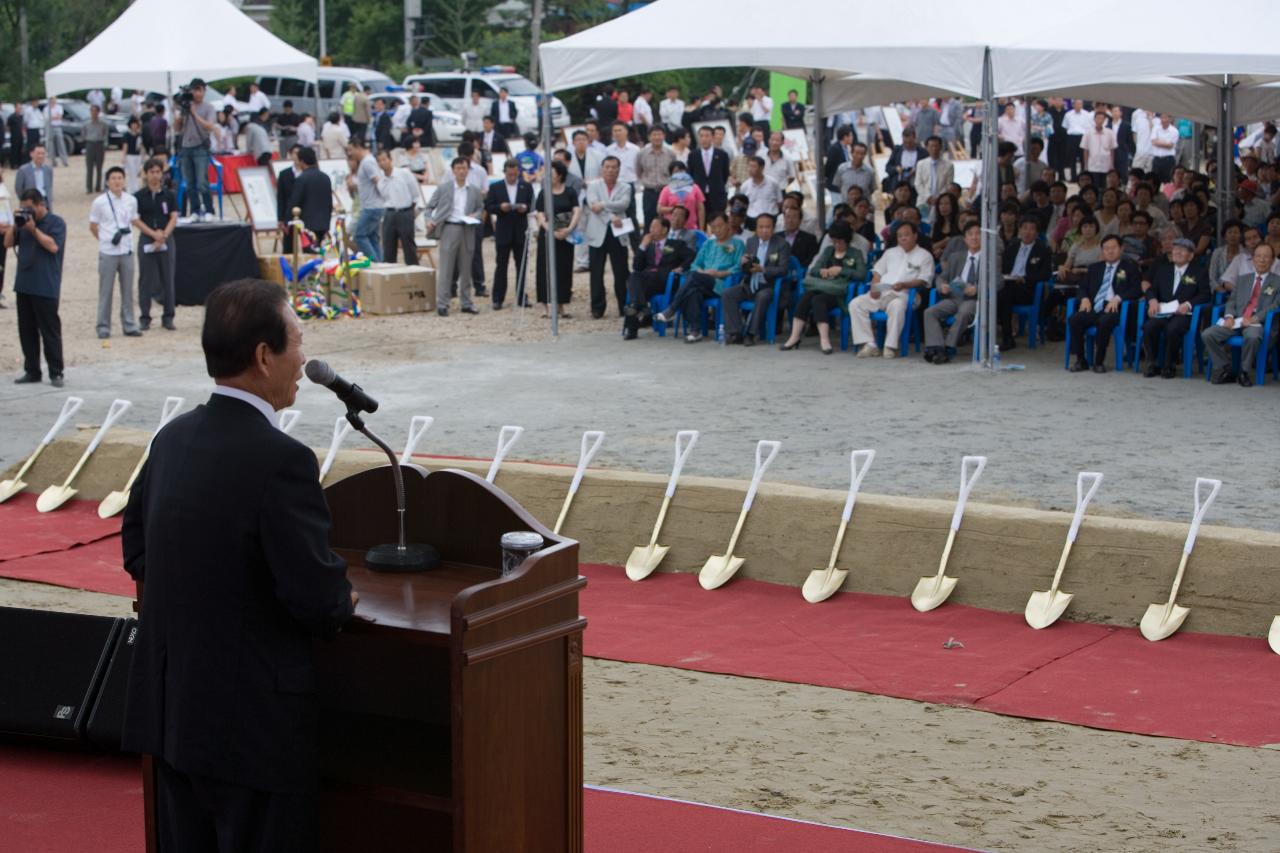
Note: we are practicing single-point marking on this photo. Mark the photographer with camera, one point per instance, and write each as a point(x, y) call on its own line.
point(111, 220)
point(40, 237)
point(194, 124)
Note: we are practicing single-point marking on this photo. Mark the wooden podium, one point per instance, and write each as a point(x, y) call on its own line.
point(451, 705)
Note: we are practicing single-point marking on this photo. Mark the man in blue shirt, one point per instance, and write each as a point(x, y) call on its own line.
point(41, 238)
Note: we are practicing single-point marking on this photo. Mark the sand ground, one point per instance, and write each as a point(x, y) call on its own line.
point(888, 765)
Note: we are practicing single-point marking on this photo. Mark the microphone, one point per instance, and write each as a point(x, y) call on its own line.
point(353, 395)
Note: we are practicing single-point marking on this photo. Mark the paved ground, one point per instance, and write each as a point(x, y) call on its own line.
point(1151, 437)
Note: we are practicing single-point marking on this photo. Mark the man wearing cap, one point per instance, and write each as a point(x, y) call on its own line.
point(1172, 291)
point(1256, 210)
point(1252, 298)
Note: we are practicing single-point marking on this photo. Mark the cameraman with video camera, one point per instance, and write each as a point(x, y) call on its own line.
point(194, 125)
point(40, 237)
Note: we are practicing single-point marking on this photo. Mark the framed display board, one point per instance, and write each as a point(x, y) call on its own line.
point(259, 190)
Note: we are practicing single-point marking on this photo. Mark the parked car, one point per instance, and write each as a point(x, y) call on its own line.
point(334, 81)
point(447, 124)
point(75, 114)
point(454, 89)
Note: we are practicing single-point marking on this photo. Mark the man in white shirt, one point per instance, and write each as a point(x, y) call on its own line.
point(473, 113)
point(1141, 122)
point(33, 121)
point(111, 219)
point(96, 99)
point(1164, 150)
point(761, 107)
point(763, 195)
point(626, 151)
point(1076, 123)
point(1098, 148)
point(135, 104)
point(53, 114)
point(642, 113)
point(896, 275)
point(777, 167)
point(671, 111)
point(400, 120)
point(307, 131)
point(258, 100)
point(400, 189)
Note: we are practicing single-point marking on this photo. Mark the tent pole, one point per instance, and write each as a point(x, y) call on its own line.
point(1225, 160)
point(1026, 145)
point(549, 208)
point(990, 221)
point(819, 152)
point(1197, 145)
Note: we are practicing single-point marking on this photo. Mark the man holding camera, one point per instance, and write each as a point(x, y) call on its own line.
point(40, 238)
point(111, 219)
point(194, 124)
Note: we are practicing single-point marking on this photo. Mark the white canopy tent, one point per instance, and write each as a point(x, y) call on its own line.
point(141, 49)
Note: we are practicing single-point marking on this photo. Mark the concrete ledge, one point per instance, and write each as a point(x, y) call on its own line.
point(1118, 565)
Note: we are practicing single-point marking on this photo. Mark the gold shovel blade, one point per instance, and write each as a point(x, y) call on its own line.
point(113, 503)
point(822, 584)
point(1044, 608)
point(718, 570)
point(1161, 620)
point(1273, 636)
point(644, 560)
point(931, 591)
point(54, 497)
point(9, 488)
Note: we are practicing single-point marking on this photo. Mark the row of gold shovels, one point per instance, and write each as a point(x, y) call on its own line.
point(1043, 608)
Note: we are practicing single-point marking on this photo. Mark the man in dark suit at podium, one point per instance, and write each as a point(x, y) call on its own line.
point(228, 529)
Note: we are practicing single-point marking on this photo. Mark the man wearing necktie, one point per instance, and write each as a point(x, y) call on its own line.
point(655, 259)
point(1185, 283)
point(1026, 260)
point(764, 261)
point(1254, 296)
point(1110, 282)
point(934, 175)
point(957, 286)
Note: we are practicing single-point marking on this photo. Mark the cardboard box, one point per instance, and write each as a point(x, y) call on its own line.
point(269, 268)
point(396, 289)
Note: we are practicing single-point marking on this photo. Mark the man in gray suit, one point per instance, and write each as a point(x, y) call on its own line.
point(36, 175)
point(765, 260)
point(957, 297)
point(453, 203)
point(1253, 296)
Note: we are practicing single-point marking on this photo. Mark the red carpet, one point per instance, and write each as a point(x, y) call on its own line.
point(54, 802)
point(96, 566)
point(28, 532)
point(1193, 686)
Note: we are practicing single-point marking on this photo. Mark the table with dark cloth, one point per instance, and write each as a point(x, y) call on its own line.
point(208, 254)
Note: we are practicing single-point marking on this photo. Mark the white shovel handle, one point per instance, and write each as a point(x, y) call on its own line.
point(865, 457)
point(340, 429)
point(685, 440)
point(1082, 499)
point(1202, 507)
point(288, 418)
point(169, 410)
point(418, 427)
point(591, 441)
point(967, 479)
point(762, 464)
point(117, 410)
point(507, 437)
point(69, 408)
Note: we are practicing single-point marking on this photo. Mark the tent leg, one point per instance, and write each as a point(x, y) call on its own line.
point(1226, 140)
point(548, 208)
point(1026, 146)
point(819, 149)
point(990, 222)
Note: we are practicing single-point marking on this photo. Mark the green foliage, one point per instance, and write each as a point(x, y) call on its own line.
point(56, 29)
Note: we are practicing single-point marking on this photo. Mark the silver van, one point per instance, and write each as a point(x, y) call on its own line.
point(334, 81)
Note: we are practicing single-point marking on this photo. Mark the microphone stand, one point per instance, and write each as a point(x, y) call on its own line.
point(400, 557)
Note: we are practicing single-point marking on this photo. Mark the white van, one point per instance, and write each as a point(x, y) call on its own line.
point(455, 87)
point(333, 82)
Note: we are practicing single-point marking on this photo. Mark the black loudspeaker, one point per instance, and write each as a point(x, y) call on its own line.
point(51, 668)
point(106, 720)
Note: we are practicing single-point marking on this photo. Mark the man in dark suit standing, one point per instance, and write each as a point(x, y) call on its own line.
point(421, 123)
point(284, 189)
point(313, 192)
point(508, 202)
point(901, 166)
point(1183, 282)
point(709, 168)
point(504, 113)
point(657, 256)
point(793, 112)
point(382, 138)
point(1111, 281)
point(1026, 261)
point(490, 140)
point(228, 529)
point(837, 155)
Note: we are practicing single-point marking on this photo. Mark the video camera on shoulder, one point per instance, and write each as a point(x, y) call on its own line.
point(184, 98)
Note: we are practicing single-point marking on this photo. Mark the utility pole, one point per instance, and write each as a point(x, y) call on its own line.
point(412, 12)
point(23, 45)
point(324, 41)
point(535, 38)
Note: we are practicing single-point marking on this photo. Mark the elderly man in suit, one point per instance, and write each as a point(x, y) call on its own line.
point(933, 174)
point(658, 255)
point(35, 175)
point(1026, 261)
point(1254, 295)
point(608, 200)
point(766, 259)
point(508, 202)
point(1110, 282)
point(1184, 282)
point(957, 297)
point(451, 215)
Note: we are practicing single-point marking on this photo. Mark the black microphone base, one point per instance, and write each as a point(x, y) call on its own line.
point(393, 558)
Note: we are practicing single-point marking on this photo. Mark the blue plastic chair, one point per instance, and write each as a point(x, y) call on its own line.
point(771, 320)
point(1029, 321)
point(880, 320)
point(1117, 336)
point(1265, 352)
point(658, 303)
point(1192, 345)
point(182, 184)
point(711, 307)
point(836, 316)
